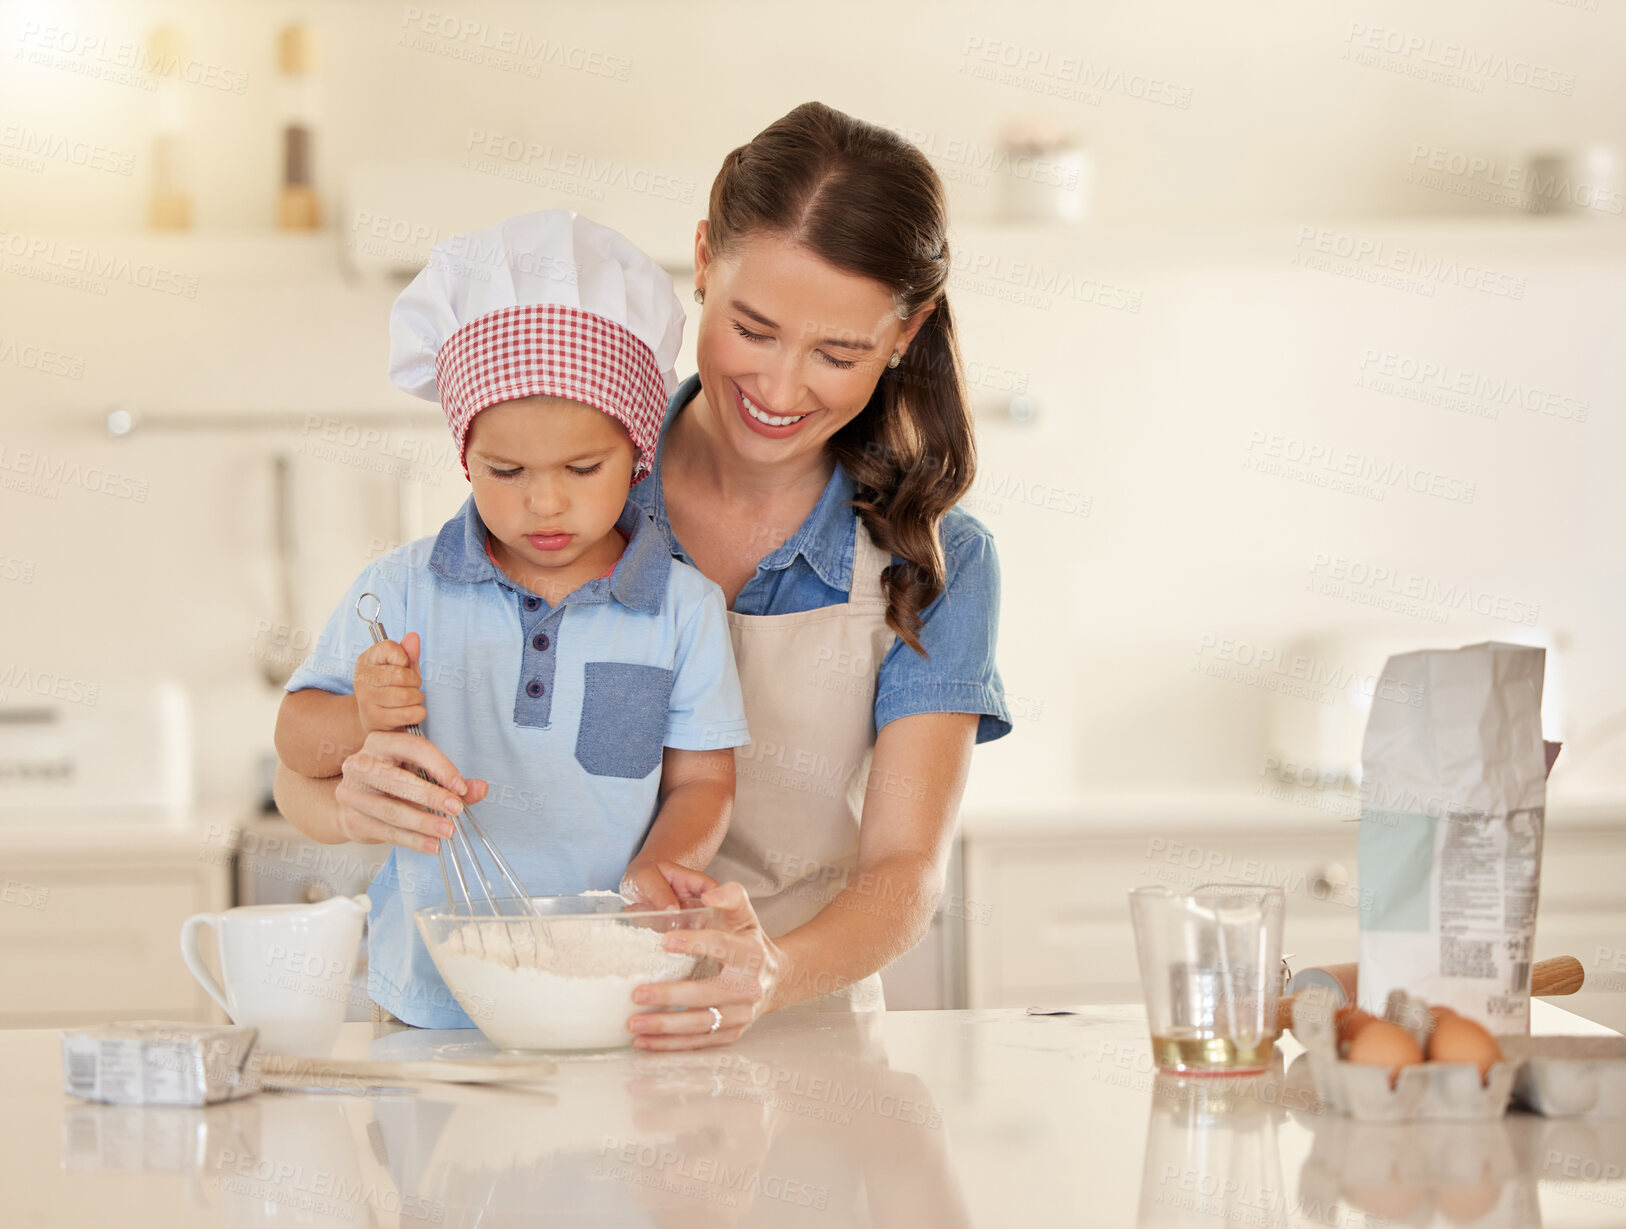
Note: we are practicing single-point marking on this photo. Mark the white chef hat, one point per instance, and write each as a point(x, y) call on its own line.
point(547, 303)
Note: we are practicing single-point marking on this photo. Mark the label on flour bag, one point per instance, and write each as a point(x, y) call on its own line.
point(1488, 874)
point(1453, 804)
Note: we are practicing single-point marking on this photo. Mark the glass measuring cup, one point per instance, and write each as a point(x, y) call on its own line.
point(1210, 968)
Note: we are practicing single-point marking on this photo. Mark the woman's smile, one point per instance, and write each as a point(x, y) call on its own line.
point(774, 426)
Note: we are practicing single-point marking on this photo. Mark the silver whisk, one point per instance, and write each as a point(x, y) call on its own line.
point(462, 848)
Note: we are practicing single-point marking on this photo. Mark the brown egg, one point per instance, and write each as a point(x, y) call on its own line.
point(1436, 1014)
point(1349, 1021)
point(1381, 1044)
point(1459, 1040)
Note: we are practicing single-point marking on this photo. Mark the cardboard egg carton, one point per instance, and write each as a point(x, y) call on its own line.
point(1569, 1077)
point(1558, 1077)
point(1442, 1091)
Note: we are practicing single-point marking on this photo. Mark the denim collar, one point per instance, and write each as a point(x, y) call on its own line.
point(638, 581)
point(824, 539)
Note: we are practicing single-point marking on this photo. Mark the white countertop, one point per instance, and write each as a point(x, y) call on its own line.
point(941, 1119)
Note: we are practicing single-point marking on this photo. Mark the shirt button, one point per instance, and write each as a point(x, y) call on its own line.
point(533, 688)
point(540, 642)
point(531, 603)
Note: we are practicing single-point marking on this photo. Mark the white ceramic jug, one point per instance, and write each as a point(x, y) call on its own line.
point(286, 968)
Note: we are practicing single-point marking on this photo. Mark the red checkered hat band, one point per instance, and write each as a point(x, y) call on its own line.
point(552, 349)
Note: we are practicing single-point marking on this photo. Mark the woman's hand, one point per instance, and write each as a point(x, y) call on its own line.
point(388, 686)
point(664, 885)
point(742, 991)
point(382, 800)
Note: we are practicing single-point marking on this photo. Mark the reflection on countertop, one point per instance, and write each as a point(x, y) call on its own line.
point(895, 1119)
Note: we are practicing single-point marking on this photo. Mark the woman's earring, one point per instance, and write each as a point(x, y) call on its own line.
point(699, 295)
point(895, 359)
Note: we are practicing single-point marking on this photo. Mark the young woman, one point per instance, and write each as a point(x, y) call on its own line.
point(810, 468)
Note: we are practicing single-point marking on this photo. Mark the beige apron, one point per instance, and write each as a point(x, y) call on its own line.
point(809, 684)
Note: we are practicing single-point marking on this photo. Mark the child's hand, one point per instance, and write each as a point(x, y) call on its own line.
point(664, 885)
point(389, 689)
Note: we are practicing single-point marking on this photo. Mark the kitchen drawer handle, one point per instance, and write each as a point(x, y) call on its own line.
point(1328, 879)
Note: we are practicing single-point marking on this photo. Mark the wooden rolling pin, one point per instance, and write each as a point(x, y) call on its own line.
point(1558, 975)
point(1555, 976)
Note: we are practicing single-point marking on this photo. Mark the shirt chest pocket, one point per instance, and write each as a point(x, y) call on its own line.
point(623, 726)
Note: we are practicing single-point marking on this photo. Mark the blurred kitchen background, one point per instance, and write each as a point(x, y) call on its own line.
point(1295, 334)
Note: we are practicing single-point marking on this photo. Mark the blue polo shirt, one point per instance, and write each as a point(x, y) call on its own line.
point(813, 568)
point(563, 709)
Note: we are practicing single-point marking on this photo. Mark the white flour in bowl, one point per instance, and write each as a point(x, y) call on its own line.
point(572, 989)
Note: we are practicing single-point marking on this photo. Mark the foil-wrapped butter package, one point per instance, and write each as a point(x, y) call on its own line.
point(158, 1062)
point(1453, 802)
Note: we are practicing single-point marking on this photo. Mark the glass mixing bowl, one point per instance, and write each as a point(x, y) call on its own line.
point(562, 980)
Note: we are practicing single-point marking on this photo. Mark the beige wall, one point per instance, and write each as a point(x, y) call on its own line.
point(1263, 113)
point(1158, 545)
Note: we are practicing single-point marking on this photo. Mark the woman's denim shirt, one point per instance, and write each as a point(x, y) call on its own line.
point(814, 568)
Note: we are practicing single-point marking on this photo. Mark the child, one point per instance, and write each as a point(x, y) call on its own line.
point(567, 657)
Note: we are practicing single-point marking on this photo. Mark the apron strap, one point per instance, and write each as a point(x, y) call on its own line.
point(868, 563)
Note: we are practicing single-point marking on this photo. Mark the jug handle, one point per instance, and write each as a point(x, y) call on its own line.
point(194, 962)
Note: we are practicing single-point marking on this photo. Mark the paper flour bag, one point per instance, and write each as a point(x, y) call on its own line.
point(1453, 798)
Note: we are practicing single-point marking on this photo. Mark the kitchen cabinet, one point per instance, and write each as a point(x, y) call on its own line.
point(1053, 919)
point(90, 917)
point(1046, 917)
